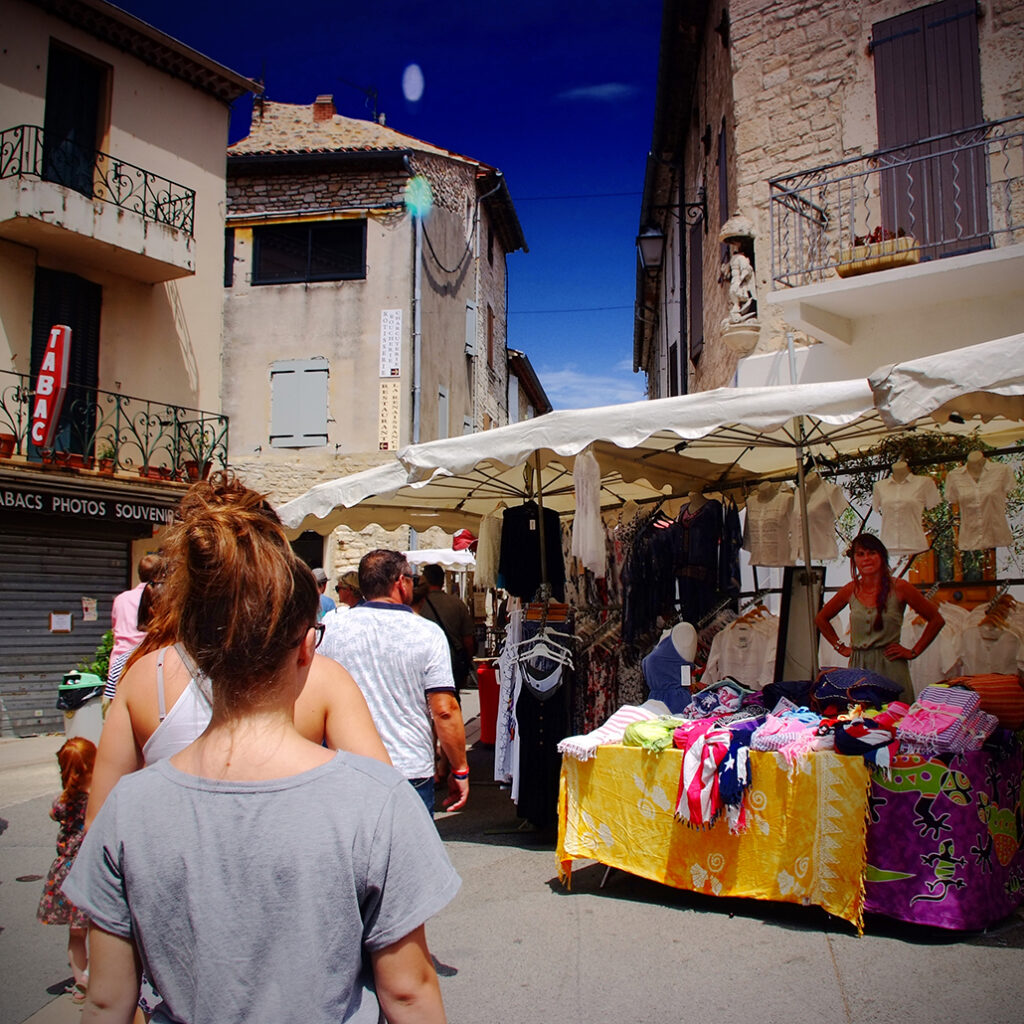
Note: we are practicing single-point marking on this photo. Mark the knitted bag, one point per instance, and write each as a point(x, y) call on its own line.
point(837, 687)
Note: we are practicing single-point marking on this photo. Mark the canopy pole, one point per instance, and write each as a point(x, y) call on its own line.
point(544, 585)
point(805, 529)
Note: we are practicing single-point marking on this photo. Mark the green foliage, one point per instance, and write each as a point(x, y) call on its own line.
point(100, 663)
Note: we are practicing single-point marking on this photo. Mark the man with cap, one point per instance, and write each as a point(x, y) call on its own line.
point(348, 590)
point(326, 603)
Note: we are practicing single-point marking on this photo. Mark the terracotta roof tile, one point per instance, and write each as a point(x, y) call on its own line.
point(290, 128)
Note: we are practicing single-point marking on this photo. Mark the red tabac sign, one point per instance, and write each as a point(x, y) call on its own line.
point(51, 384)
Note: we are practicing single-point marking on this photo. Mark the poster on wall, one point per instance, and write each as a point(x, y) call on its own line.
point(390, 401)
point(390, 343)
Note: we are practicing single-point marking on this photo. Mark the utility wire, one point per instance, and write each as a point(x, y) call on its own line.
point(581, 309)
point(582, 195)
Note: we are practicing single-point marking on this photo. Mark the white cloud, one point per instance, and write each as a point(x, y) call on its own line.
point(607, 92)
point(568, 387)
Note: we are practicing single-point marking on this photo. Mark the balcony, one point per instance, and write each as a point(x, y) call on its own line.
point(68, 201)
point(901, 231)
point(103, 432)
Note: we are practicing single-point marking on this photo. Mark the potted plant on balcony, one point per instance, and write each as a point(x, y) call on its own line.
point(8, 443)
point(76, 460)
point(105, 459)
point(880, 250)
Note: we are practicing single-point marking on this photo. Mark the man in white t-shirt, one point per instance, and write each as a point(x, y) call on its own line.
point(402, 664)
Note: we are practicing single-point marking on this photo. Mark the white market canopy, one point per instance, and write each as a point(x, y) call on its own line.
point(447, 558)
point(725, 439)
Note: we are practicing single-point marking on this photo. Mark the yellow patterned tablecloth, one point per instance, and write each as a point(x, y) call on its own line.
point(805, 842)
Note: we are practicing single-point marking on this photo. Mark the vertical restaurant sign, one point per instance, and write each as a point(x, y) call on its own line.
point(390, 343)
point(388, 417)
point(51, 384)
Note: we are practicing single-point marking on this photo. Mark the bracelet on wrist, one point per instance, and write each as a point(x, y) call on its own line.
point(460, 775)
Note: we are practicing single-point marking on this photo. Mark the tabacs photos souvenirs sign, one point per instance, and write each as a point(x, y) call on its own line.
point(51, 384)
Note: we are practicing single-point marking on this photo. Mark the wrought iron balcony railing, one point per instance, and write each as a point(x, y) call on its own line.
point(26, 152)
point(107, 432)
point(943, 196)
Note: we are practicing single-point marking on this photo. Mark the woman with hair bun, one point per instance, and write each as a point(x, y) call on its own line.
point(256, 875)
point(877, 602)
point(160, 705)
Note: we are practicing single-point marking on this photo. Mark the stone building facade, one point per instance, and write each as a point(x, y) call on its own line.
point(353, 327)
point(803, 93)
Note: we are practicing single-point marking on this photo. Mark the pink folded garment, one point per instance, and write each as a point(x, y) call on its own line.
point(584, 747)
point(937, 720)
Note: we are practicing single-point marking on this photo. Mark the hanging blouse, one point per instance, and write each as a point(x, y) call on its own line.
point(745, 651)
point(488, 551)
point(982, 504)
point(988, 648)
point(587, 527)
point(825, 503)
point(766, 535)
point(900, 503)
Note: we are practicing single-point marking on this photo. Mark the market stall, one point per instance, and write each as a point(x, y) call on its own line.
point(935, 841)
point(723, 444)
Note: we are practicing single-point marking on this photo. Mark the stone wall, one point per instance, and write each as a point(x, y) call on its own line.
point(796, 88)
point(712, 111)
point(270, 191)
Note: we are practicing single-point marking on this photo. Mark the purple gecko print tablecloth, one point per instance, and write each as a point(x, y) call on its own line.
point(945, 838)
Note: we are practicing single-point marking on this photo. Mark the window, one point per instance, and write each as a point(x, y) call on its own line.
point(62, 298)
point(673, 369)
point(229, 257)
point(490, 336)
point(298, 403)
point(696, 296)
point(76, 95)
point(513, 398)
point(318, 251)
point(927, 83)
point(723, 176)
point(467, 425)
point(490, 245)
point(470, 329)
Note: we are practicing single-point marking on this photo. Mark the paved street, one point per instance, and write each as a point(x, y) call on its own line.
point(515, 946)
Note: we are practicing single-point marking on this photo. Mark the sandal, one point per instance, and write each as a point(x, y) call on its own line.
point(76, 991)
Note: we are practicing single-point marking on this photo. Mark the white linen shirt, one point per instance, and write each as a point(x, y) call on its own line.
point(901, 504)
point(982, 505)
point(766, 536)
point(396, 658)
point(825, 504)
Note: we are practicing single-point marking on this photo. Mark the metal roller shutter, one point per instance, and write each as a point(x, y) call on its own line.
point(41, 572)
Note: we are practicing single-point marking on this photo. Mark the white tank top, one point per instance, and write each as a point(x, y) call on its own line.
point(186, 720)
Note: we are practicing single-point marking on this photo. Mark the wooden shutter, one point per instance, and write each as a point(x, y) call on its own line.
point(298, 403)
point(696, 296)
point(928, 83)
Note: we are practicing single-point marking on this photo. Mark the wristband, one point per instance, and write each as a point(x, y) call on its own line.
point(460, 775)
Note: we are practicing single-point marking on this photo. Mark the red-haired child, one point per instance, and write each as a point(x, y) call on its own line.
point(76, 759)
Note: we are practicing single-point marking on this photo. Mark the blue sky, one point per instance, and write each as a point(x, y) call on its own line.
point(559, 95)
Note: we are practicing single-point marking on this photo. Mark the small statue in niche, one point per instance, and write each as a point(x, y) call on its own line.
point(741, 329)
point(738, 235)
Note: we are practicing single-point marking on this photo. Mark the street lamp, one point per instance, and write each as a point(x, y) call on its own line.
point(650, 244)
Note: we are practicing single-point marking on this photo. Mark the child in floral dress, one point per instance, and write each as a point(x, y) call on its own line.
point(76, 759)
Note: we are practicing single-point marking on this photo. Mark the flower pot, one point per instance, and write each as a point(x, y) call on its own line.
point(105, 464)
point(194, 472)
point(8, 442)
point(78, 461)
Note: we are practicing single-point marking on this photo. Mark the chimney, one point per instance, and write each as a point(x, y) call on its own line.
point(323, 108)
